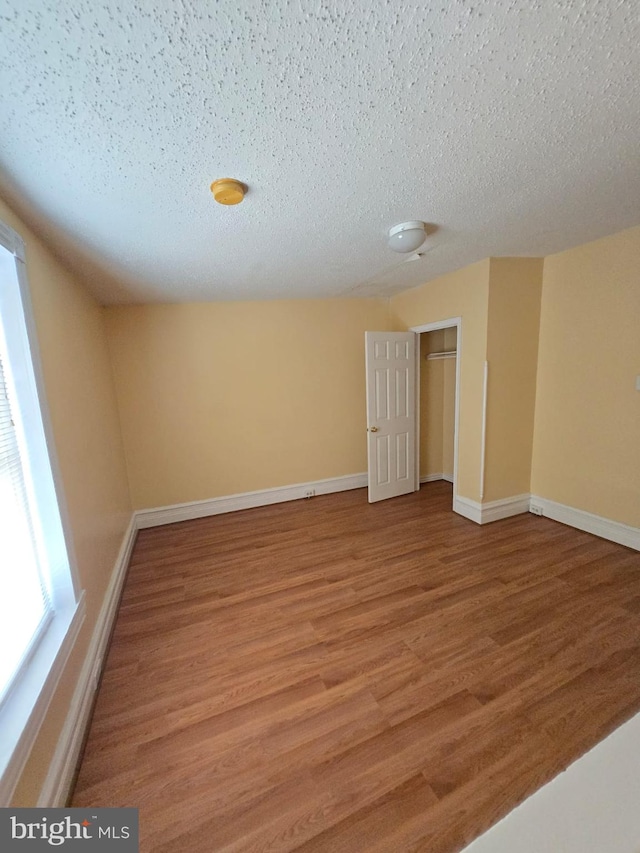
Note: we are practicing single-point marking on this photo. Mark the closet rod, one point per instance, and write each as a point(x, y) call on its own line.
point(433, 356)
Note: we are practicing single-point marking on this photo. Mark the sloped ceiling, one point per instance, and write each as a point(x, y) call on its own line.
point(512, 126)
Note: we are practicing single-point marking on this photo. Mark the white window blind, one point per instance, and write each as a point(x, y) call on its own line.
point(25, 607)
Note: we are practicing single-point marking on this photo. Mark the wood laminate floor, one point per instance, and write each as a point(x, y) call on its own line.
point(329, 675)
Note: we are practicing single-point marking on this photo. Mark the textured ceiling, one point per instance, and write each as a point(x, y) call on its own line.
point(511, 125)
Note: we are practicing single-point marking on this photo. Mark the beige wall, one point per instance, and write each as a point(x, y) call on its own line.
point(512, 352)
point(229, 397)
point(431, 404)
point(81, 398)
point(464, 293)
point(448, 415)
point(449, 402)
point(586, 449)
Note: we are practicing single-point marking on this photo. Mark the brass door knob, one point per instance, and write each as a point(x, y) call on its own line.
point(373, 429)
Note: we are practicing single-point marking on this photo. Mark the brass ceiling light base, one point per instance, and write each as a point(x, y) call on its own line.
point(228, 191)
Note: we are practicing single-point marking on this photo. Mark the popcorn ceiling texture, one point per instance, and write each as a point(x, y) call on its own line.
point(511, 125)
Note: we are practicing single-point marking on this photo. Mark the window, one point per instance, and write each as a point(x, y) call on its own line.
point(40, 610)
point(25, 606)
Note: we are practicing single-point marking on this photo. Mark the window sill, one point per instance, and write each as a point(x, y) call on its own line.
point(27, 705)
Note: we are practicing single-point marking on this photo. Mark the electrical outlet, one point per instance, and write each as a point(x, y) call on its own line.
point(535, 509)
point(310, 493)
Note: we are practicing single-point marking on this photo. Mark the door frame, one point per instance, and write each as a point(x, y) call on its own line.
point(436, 327)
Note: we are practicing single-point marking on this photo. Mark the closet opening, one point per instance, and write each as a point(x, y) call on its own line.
point(437, 409)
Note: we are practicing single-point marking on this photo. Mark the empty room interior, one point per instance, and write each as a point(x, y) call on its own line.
point(320, 422)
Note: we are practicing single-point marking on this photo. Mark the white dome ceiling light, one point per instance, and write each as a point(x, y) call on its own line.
point(407, 236)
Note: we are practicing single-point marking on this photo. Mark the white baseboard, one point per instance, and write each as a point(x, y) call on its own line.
point(57, 785)
point(470, 509)
point(429, 478)
point(505, 508)
point(484, 513)
point(623, 534)
point(245, 500)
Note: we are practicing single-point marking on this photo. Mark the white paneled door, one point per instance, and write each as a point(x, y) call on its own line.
point(391, 416)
